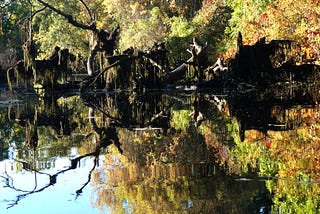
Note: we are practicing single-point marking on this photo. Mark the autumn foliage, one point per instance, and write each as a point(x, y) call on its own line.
point(289, 20)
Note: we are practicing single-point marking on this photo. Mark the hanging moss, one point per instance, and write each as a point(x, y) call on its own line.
point(10, 77)
point(29, 54)
point(17, 74)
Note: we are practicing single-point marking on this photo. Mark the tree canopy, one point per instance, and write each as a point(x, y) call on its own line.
point(144, 23)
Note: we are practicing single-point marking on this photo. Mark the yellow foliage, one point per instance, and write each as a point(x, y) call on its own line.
point(290, 20)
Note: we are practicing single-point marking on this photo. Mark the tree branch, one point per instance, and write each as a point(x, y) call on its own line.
point(70, 19)
point(52, 178)
point(38, 11)
point(93, 78)
point(88, 10)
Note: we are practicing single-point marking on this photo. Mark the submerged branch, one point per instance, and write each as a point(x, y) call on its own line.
point(79, 191)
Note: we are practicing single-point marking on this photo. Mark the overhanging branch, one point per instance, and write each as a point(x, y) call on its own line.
point(38, 11)
point(88, 10)
point(70, 19)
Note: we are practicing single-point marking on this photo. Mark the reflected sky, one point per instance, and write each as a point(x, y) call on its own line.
point(59, 198)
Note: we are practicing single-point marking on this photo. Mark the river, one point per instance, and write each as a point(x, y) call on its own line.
point(161, 151)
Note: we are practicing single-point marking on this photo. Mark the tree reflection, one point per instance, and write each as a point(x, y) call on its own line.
point(104, 135)
point(172, 188)
point(167, 172)
point(51, 178)
point(276, 140)
point(163, 150)
point(281, 140)
point(32, 122)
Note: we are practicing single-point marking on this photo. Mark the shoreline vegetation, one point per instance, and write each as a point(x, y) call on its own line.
point(87, 30)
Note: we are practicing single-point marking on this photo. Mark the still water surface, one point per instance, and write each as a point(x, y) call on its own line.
point(160, 152)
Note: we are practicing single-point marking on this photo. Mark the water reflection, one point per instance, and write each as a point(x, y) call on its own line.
point(163, 152)
point(60, 197)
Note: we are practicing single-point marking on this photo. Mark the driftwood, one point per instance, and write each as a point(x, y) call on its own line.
point(217, 68)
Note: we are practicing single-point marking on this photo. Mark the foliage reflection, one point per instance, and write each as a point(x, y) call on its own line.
point(173, 152)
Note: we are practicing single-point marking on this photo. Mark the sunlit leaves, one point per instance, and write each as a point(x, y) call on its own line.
point(291, 197)
point(144, 32)
point(13, 19)
point(180, 27)
point(246, 18)
point(293, 20)
point(142, 24)
point(50, 29)
point(181, 119)
point(59, 34)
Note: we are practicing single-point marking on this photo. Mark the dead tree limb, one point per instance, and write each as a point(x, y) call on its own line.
point(195, 50)
point(217, 68)
point(154, 63)
point(93, 78)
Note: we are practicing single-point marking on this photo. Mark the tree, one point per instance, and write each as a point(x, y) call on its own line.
point(12, 23)
point(99, 40)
